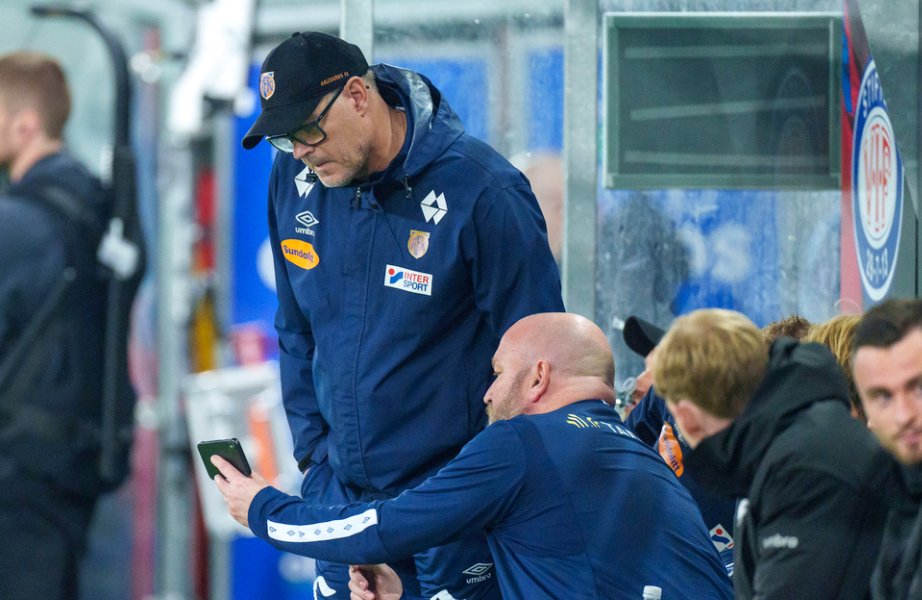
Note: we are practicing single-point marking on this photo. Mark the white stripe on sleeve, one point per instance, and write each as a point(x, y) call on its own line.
point(319, 532)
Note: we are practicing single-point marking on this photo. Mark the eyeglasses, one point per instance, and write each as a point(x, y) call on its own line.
point(309, 134)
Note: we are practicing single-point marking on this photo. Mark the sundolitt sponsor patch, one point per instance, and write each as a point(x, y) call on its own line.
point(300, 253)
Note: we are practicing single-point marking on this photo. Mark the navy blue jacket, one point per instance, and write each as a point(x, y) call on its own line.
point(393, 295)
point(57, 438)
point(573, 504)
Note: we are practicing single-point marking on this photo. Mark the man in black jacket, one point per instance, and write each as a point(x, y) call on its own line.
point(887, 367)
point(51, 218)
point(772, 427)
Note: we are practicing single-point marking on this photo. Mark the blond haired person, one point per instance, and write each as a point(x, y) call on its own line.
point(771, 426)
point(838, 334)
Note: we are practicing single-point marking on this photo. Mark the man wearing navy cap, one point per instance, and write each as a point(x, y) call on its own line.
point(403, 250)
point(641, 337)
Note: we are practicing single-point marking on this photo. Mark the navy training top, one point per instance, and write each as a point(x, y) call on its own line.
point(573, 505)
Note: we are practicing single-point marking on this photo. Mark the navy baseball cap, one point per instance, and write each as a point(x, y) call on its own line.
point(296, 75)
point(641, 336)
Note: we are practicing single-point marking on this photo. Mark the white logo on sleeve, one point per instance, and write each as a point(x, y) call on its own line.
point(780, 541)
point(434, 207)
point(304, 186)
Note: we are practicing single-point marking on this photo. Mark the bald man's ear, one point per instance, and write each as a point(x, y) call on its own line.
point(539, 377)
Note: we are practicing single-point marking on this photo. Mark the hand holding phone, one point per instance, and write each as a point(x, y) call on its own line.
point(238, 489)
point(228, 449)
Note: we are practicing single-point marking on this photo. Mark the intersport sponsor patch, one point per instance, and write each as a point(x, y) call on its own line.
point(407, 280)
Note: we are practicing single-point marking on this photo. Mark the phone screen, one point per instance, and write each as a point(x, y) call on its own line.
point(229, 449)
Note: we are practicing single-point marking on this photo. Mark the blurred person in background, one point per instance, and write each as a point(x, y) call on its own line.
point(544, 171)
point(573, 504)
point(641, 337)
point(838, 334)
point(772, 427)
point(52, 217)
point(792, 326)
point(887, 365)
point(403, 250)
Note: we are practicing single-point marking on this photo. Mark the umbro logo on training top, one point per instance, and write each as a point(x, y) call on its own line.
point(478, 569)
point(478, 573)
point(307, 219)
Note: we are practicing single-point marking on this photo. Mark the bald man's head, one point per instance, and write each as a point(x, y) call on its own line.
point(548, 360)
point(572, 344)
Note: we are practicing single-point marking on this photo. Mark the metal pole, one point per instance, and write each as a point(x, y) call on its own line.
point(580, 155)
point(358, 25)
point(174, 488)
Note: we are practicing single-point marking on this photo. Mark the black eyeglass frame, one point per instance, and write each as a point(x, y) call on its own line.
point(285, 141)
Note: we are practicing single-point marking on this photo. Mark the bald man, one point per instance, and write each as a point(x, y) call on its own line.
point(572, 503)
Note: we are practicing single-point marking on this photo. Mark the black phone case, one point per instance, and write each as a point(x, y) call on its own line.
point(229, 449)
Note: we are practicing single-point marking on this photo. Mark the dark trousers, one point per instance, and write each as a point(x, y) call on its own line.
point(43, 534)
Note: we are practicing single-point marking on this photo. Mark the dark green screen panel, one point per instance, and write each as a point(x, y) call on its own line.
point(733, 101)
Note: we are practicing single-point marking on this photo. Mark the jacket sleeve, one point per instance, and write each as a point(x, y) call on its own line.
point(647, 418)
point(33, 260)
point(296, 353)
point(805, 538)
point(514, 273)
point(472, 492)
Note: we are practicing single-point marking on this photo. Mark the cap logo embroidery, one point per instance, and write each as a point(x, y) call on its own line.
point(267, 84)
point(419, 243)
point(333, 78)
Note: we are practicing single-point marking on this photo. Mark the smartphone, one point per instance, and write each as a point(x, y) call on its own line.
point(229, 449)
